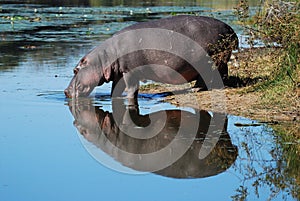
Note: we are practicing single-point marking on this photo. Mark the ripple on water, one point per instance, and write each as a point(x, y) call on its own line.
point(53, 96)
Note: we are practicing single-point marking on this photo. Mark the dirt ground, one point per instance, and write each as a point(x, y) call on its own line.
point(246, 69)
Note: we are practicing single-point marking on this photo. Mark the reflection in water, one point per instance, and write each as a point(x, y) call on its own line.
point(118, 132)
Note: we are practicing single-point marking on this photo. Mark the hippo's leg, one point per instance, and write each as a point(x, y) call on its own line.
point(200, 84)
point(118, 86)
point(132, 86)
point(223, 70)
point(222, 65)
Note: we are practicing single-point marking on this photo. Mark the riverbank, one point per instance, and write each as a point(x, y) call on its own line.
point(246, 95)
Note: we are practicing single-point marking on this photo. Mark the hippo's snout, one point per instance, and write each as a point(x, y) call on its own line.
point(67, 93)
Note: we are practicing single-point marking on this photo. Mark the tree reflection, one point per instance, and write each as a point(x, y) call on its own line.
point(260, 169)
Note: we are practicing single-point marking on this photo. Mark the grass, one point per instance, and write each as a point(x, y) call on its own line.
point(277, 24)
point(270, 76)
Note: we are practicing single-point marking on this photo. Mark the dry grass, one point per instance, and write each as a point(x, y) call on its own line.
point(250, 101)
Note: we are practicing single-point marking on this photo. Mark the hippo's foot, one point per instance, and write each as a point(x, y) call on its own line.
point(132, 102)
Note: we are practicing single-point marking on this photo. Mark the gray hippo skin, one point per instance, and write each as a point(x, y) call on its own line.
point(108, 62)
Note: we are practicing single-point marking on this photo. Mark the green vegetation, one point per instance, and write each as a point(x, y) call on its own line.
point(277, 24)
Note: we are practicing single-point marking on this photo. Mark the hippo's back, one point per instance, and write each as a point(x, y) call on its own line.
point(204, 30)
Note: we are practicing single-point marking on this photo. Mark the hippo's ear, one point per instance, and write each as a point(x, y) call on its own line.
point(107, 73)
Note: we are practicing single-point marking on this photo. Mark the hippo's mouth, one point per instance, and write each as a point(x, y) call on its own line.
point(67, 94)
point(71, 94)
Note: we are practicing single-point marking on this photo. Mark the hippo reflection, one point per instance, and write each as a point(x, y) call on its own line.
point(118, 132)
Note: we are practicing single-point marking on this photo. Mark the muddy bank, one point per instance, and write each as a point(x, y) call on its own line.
point(247, 70)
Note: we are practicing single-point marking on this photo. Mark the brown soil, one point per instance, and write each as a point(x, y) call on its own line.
point(242, 99)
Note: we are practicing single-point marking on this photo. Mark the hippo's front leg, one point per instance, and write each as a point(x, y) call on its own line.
point(132, 86)
point(118, 86)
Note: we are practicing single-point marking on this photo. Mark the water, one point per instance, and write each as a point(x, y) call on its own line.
point(44, 154)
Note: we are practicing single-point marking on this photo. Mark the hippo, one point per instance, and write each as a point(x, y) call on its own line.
point(172, 50)
point(105, 130)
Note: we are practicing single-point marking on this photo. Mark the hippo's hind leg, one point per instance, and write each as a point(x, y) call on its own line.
point(222, 65)
point(222, 70)
point(200, 84)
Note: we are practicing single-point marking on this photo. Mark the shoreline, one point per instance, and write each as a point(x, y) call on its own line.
point(251, 68)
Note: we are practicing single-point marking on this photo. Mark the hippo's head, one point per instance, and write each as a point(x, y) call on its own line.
point(83, 82)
